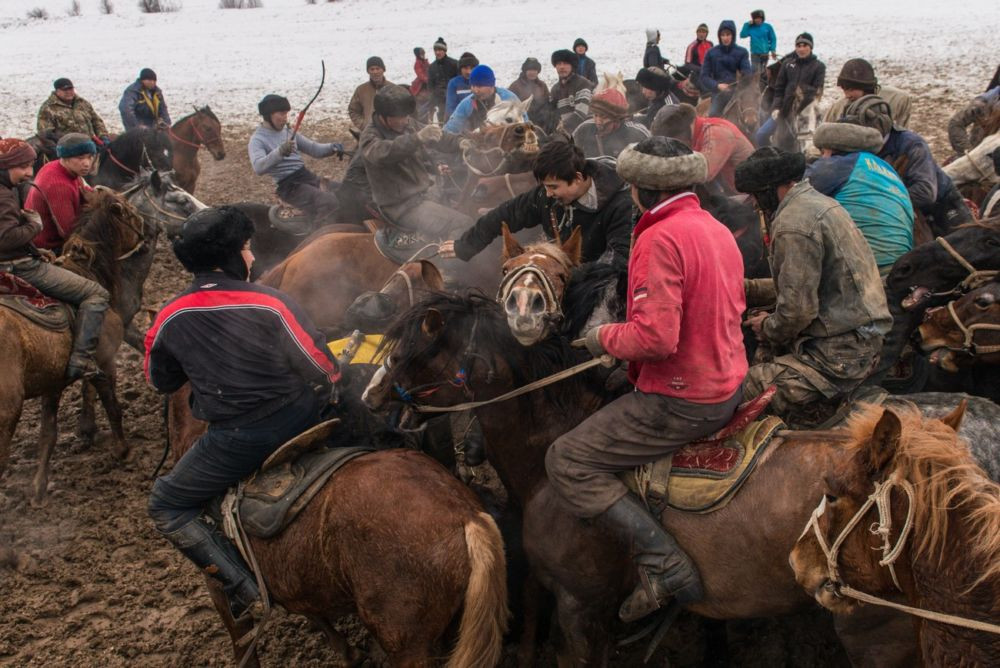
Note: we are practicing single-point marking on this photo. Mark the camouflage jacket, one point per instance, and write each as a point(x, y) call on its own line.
point(825, 276)
point(983, 114)
point(61, 117)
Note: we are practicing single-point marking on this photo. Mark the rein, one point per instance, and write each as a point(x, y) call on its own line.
point(532, 269)
point(976, 277)
point(881, 499)
point(120, 164)
point(197, 133)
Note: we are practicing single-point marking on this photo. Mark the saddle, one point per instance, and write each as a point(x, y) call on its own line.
point(265, 503)
point(705, 475)
point(286, 218)
point(400, 245)
point(24, 298)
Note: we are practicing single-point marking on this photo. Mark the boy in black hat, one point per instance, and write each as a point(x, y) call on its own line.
point(572, 94)
point(586, 67)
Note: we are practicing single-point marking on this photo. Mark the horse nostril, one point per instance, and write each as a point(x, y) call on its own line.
point(510, 305)
point(538, 304)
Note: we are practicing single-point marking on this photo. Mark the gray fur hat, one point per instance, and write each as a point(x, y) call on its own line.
point(661, 163)
point(847, 138)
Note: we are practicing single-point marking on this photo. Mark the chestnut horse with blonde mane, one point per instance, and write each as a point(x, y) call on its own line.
point(934, 536)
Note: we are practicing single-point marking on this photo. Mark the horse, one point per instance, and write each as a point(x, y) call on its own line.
point(936, 540)
point(948, 334)
point(45, 148)
point(201, 128)
point(34, 358)
point(417, 559)
point(452, 349)
point(742, 108)
point(977, 166)
point(508, 112)
point(121, 160)
point(502, 149)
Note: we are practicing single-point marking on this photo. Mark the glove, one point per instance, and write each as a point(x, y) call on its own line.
point(338, 150)
point(465, 144)
point(592, 341)
point(45, 255)
point(286, 148)
point(105, 140)
point(774, 114)
point(430, 134)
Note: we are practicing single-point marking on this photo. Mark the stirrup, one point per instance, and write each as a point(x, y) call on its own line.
point(87, 370)
point(642, 602)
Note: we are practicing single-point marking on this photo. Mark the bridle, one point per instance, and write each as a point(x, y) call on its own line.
point(554, 316)
point(975, 277)
point(202, 141)
point(530, 140)
point(969, 345)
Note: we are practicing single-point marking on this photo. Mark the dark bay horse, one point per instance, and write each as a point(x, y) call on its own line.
point(965, 332)
point(128, 153)
point(936, 540)
point(394, 538)
point(34, 359)
point(194, 131)
point(453, 349)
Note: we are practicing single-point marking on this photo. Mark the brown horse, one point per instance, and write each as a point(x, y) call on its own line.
point(936, 539)
point(392, 537)
point(742, 108)
point(202, 128)
point(451, 349)
point(34, 359)
point(964, 331)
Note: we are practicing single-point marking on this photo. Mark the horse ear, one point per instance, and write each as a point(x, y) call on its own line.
point(433, 322)
point(572, 246)
point(954, 418)
point(884, 440)
point(431, 276)
point(511, 248)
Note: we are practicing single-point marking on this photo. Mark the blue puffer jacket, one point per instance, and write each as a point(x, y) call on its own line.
point(723, 62)
point(762, 37)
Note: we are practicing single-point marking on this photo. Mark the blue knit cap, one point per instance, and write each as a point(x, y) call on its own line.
point(482, 75)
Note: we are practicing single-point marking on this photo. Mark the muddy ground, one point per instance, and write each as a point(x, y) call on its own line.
point(86, 581)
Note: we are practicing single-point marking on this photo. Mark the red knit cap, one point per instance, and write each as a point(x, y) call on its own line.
point(610, 103)
point(15, 153)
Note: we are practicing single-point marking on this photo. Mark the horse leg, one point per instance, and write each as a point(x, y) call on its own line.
point(237, 629)
point(10, 414)
point(46, 444)
point(533, 601)
point(352, 655)
point(86, 423)
point(585, 640)
point(109, 399)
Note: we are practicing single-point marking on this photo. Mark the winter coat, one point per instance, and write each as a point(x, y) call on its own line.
point(420, 83)
point(594, 145)
point(397, 164)
point(723, 63)
point(762, 37)
point(571, 99)
point(459, 88)
point(439, 73)
point(825, 276)
point(652, 57)
point(57, 188)
point(362, 104)
point(875, 197)
point(723, 146)
point(911, 157)
point(695, 53)
point(646, 116)
point(265, 158)
point(58, 118)
point(983, 114)
point(805, 74)
point(899, 101)
point(247, 349)
point(681, 336)
point(606, 228)
point(141, 108)
point(537, 91)
point(470, 113)
point(587, 68)
point(16, 231)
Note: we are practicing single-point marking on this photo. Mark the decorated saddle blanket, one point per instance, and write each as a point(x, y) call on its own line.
point(20, 296)
point(704, 475)
point(272, 498)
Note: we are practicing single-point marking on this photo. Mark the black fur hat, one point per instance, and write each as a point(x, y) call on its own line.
point(271, 103)
point(213, 238)
point(565, 56)
point(769, 167)
point(654, 78)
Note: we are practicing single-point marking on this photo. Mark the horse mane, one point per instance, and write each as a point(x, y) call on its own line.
point(91, 250)
point(200, 110)
point(992, 224)
point(405, 340)
point(585, 290)
point(550, 249)
point(945, 477)
point(128, 147)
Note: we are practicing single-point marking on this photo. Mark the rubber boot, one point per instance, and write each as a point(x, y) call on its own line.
point(216, 556)
point(665, 570)
point(82, 361)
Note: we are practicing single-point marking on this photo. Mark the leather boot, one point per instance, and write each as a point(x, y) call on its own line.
point(665, 570)
point(82, 363)
point(216, 556)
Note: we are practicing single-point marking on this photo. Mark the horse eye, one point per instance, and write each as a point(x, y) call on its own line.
point(984, 301)
point(830, 498)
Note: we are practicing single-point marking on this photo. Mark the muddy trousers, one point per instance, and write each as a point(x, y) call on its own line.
point(305, 190)
point(88, 296)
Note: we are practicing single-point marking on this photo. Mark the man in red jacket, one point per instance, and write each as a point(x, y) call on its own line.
point(721, 142)
point(58, 192)
point(684, 346)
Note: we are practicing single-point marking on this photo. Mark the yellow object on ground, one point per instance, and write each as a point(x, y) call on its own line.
point(365, 353)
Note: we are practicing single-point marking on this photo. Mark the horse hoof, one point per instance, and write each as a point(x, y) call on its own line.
point(40, 498)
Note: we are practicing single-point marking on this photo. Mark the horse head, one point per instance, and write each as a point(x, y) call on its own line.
point(502, 149)
point(534, 284)
point(507, 112)
point(964, 331)
point(374, 311)
point(108, 231)
point(207, 130)
point(161, 202)
point(613, 81)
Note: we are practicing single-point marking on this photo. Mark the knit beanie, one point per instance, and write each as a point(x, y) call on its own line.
point(61, 83)
point(702, 27)
point(374, 61)
point(482, 75)
point(73, 144)
point(531, 64)
point(580, 42)
point(15, 153)
point(674, 120)
point(609, 103)
point(440, 44)
point(418, 51)
point(805, 37)
point(651, 34)
point(467, 60)
point(147, 74)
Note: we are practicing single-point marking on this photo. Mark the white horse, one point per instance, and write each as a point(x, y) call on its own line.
point(511, 111)
point(977, 165)
point(615, 81)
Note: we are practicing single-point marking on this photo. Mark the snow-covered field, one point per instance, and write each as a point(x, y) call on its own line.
point(230, 58)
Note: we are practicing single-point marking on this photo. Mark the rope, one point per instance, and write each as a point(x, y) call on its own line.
point(976, 277)
point(120, 163)
point(969, 345)
point(954, 620)
point(530, 387)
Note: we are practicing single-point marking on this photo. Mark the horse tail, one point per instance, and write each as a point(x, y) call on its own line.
point(485, 613)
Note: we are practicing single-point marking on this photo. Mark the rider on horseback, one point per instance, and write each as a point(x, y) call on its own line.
point(470, 114)
point(610, 129)
point(58, 190)
point(724, 63)
point(64, 111)
point(826, 330)
point(254, 361)
point(18, 256)
point(274, 149)
point(684, 347)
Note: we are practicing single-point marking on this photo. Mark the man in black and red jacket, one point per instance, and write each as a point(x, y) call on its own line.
point(258, 370)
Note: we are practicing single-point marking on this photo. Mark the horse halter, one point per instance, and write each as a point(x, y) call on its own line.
point(969, 345)
point(881, 498)
point(554, 316)
point(976, 277)
point(197, 133)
